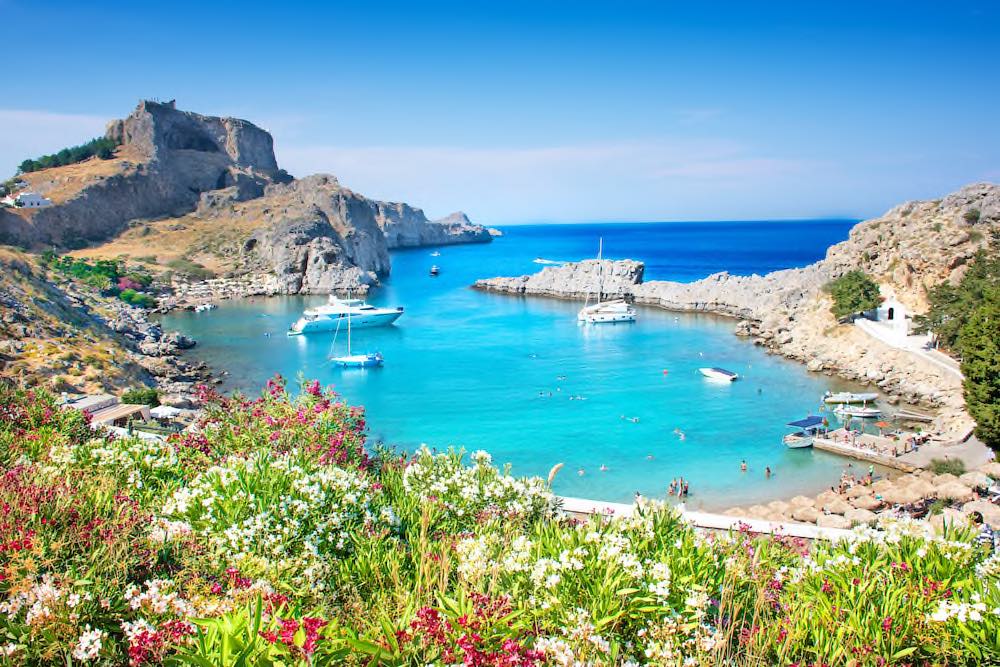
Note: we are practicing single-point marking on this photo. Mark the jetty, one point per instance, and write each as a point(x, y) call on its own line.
point(885, 451)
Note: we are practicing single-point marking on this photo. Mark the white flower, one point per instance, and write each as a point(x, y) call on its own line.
point(88, 647)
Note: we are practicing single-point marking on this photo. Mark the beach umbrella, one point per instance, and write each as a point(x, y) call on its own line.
point(900, 495)
point(858, 490)
point(976, 479)
point(883, 485)
point(858, 516)
point(802, 501)
point(805, 514)
point(955, 491)
point(826, 497)
point(945, 478)
point(838, 506)
point(881, 426)
point(922, 487)
point(866, 503)
point(779, 506)
point(992, 469)
point(832, 521)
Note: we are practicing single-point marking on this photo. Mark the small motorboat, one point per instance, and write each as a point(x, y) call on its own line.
point(359, 360)
point(435, 270)
point(204, 307)
point(806, 431)
point(861, 411)
point(848, 397)
point(720, 374)
point(435, 254)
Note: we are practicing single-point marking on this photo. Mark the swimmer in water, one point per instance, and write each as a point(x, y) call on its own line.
point(635, 420)
point(580, 472)
point(604, 468)
point(743, 466)
point(649, 457)
point(767, 472)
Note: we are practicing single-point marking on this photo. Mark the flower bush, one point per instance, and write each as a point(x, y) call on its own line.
point(270, 534)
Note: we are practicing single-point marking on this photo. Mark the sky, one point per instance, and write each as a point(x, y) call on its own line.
point(545, 111)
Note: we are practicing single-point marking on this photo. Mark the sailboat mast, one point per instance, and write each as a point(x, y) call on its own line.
point(348, 333)
point(600, 269)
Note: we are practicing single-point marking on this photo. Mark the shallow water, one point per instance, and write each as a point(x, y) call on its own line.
point(494, 372)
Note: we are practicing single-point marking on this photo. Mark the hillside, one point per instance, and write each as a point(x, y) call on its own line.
point(202, 194)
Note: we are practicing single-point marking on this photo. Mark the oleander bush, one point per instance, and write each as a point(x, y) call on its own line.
point(272, 535)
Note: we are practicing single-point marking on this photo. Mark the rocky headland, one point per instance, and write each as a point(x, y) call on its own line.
point(204, 196)
point(912, 247)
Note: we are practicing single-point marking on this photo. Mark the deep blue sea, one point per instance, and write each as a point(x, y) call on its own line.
point(484, 371)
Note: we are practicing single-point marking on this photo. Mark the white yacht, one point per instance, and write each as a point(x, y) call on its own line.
point(848, 397)
point(604, 312)
point(329, 316)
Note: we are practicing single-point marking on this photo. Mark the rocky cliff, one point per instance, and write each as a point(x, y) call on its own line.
point(911, 247)
point(184, 188)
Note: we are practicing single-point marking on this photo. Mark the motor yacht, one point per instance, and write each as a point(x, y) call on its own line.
point(329, 316)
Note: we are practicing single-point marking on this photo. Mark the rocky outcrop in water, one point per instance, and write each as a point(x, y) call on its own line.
point(574, 280)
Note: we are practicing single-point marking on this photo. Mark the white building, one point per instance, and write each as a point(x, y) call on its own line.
point(894, 316)
point(27, 200)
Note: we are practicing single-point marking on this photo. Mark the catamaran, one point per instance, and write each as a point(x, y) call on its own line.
point(349, 360)
point(806, 430)
point(848, 397)
point(719, 374)
point(605, 312)
point(329, 316)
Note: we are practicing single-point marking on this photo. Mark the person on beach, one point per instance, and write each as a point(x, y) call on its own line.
point(743, 465)
point(987, 536)
point(767, 472)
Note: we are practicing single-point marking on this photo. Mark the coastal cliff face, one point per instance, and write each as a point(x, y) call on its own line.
point(187, 190)
point(913, 246)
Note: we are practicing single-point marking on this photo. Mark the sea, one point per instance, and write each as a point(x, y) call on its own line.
point(622, 407)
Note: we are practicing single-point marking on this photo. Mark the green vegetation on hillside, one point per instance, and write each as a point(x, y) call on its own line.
point(273, 536)
point(109, 276)
point(142, 395)
point(965, 319)
point(853, 293)
point(102, 147)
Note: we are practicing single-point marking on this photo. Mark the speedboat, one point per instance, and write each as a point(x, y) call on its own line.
point(435, 254)
point(204, 307)
point(607, 312)
point(864, 412)
point(848, 397)
point(359, 360)
point(435, 270)
point(328, 317)
point(806, 431)
point(718, 374)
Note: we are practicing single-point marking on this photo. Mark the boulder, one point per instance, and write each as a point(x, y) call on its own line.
point(837, 506)
point(992, 469)
point(806, 514)
point(955, 491)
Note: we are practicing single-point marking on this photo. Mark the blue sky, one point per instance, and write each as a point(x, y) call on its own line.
point(546, 111)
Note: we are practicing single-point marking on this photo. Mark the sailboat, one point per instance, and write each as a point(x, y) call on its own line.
point(349, 360)
point(605, 312)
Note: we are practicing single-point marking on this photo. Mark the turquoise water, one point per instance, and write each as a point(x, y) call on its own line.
point(493, 372)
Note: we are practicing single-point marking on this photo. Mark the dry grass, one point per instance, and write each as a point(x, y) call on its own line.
point(62, 183)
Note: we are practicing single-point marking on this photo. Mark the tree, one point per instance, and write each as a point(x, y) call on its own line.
point(853, 293)
point(979, 342)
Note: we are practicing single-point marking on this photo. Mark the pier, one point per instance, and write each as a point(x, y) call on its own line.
point(870, 448)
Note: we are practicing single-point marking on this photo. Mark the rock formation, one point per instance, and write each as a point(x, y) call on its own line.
point(307, 235)
point(913, 246)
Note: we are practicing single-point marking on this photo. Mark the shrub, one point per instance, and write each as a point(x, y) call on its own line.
point(853, 293)
point(142, 395)
point(972, 216)
point(133, 298)
point(941, 466)
point(191, 268)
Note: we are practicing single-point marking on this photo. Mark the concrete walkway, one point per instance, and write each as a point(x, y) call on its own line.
point(706, 520)
point(915, 345)
point(972, 453)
